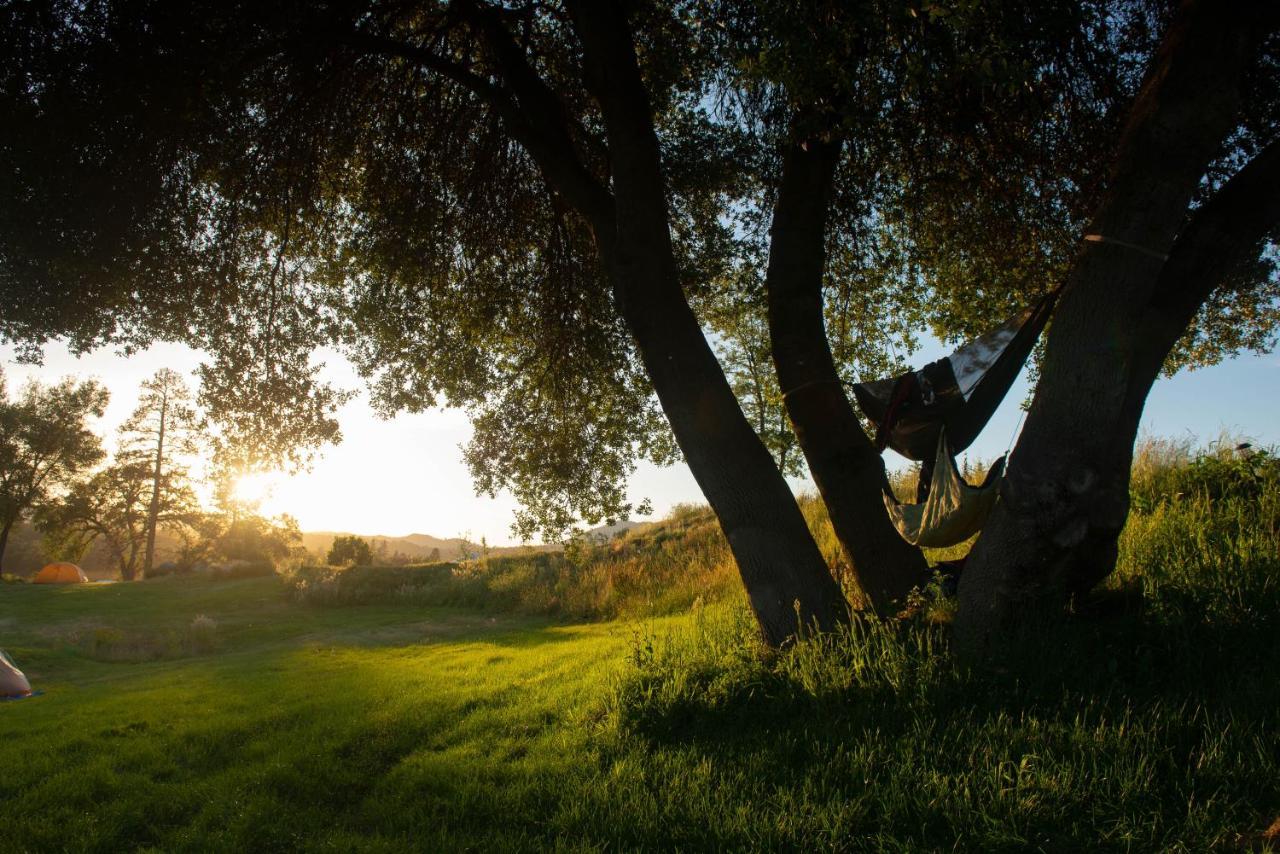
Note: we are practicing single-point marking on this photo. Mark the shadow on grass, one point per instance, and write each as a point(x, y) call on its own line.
point(1114, 730)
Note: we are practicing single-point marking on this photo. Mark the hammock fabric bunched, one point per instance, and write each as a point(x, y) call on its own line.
point(959, 393)
point(953, 511)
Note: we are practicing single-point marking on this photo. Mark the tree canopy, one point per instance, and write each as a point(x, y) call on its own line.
point(534, 211)
point(45, 442)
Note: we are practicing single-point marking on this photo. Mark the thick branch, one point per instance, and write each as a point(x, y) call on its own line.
point(537, 130)
point(1226, 232)
point(845, 466)
point(1190, 97)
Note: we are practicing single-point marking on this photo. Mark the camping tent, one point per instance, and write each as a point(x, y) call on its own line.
point(60, 573)
point(12, 682)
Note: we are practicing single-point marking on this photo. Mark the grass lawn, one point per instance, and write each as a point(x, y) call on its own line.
point(287, 725)
point(371, 727)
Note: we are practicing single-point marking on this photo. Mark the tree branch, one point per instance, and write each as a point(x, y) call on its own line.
point(532, 113)
point(1224, 233)
point(552, 145)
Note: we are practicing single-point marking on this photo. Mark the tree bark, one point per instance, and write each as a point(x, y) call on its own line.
point(787, 581)
point(846, 467)
point(153, 512)
point(1065, 497)
point(4, 540)
point(1224, 233)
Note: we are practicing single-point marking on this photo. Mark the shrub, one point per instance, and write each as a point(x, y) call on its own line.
point(202, 634)
point(237, 569)
point(1166, 471)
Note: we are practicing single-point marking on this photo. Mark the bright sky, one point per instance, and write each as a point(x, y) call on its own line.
point(406, 475)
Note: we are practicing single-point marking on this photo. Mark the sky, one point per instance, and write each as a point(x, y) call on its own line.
point(406, 475)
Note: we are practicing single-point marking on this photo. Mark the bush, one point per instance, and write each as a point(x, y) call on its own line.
point(1166, 471)
point(237, 569)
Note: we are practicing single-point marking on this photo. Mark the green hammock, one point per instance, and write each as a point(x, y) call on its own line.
point(953, 511)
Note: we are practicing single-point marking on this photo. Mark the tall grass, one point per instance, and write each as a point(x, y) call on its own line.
point(1155, 727)
point(652, 570)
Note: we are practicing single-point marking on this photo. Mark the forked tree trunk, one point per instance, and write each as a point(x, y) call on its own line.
point(1224, 234)
point(1065, 498)
point(782, 569)
point(846, 467)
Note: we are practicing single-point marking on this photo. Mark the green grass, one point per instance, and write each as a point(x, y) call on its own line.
point(373, 727)
point(1149, 721)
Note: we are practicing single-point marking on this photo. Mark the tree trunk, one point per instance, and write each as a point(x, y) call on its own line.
point(1223, 234)
point(845, 466)
point(153, 512)
point(1065, 498)
point(786, 578)
point(4, 540)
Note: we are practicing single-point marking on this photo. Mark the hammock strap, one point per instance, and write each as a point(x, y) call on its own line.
point(810, 384)
point(1098, 238)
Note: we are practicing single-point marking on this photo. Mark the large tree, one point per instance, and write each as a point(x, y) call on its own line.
point(500, 206)
point(161, 433)
point(45, 441)
point(519, 208)
point(1191, 200)
point(986, 176)
point(114, 506)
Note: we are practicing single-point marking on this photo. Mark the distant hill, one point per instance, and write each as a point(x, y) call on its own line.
point(416, 547)
point(604, 533)
point(423, 547)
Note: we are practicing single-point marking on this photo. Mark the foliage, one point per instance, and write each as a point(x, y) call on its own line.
point(114, 504)
point(348, 551)
point(260, 182)
point(44, 443)
point(1169, 472)
point(259, 541)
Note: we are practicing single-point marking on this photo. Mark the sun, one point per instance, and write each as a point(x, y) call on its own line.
point(254, 488)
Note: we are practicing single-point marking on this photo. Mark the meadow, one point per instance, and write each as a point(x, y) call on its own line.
point(589, 704)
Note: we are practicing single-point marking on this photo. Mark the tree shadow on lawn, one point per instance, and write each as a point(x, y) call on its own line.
point(1105, 663)
point(1144, 725)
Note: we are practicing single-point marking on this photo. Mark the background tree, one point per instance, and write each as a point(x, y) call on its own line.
point(162, 430)
point(258, 539)
point(44, 443)
point(349, 551)
point(114, 505)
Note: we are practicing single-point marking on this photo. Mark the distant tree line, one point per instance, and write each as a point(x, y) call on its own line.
point(55, 474)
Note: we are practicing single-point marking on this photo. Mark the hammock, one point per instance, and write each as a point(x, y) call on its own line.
point(959, 393)
point(953, 511)
point(931, 414)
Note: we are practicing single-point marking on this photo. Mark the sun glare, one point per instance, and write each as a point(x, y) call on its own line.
point(255, 488)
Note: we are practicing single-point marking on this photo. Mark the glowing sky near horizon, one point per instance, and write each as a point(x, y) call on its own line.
point(406, 475)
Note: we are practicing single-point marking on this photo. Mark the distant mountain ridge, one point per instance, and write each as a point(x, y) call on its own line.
point(416, 547)
point(422, 547)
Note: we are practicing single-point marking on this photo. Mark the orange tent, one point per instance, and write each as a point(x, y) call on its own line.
point(60, 573)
